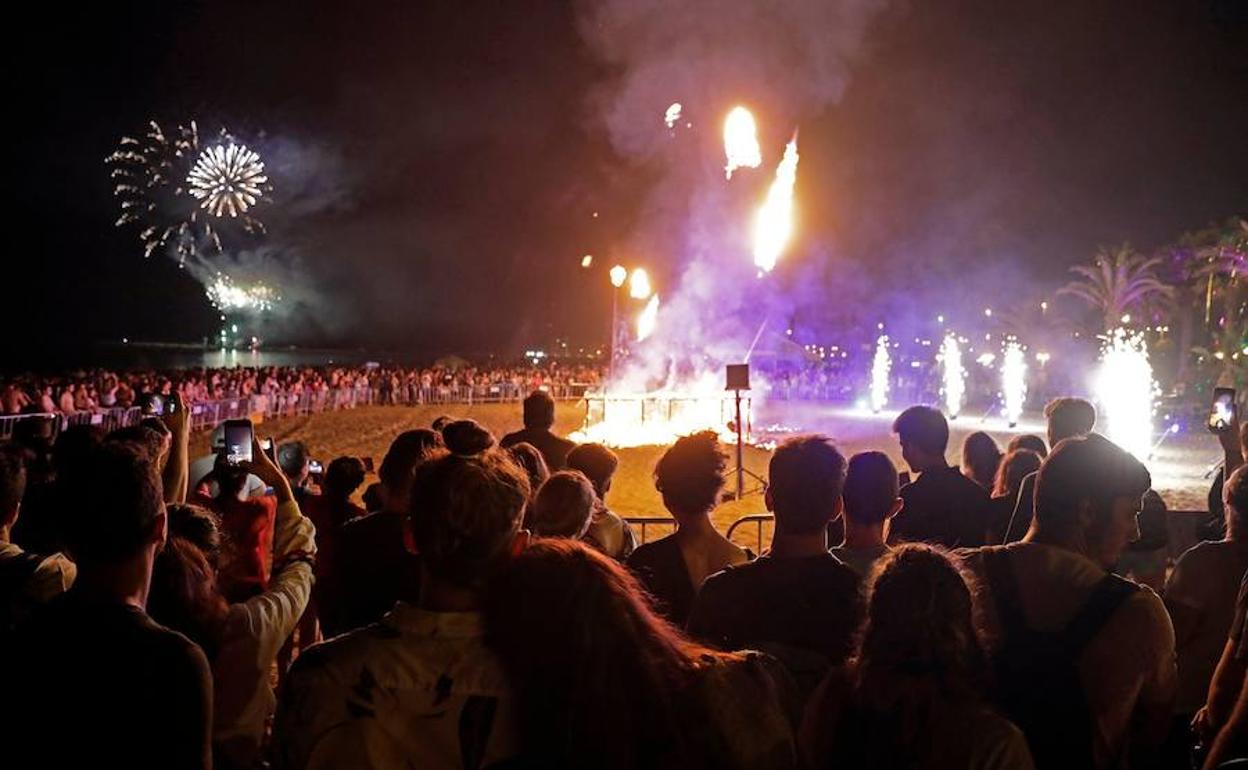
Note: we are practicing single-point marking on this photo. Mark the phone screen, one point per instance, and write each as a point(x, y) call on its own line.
point(1222, 413)
point(238, 441)
point(154, 404)
point(314, 467)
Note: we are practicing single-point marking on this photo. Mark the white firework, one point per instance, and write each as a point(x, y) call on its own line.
point(225, 295)
point(1013, 380)
point(1127, 392)
point(880, 367)
point(228, 179)
point(955, 375)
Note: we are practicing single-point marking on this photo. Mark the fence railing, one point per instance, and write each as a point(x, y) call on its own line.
point(206, 415)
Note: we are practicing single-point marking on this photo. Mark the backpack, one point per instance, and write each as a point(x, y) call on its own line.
point(1037, 672)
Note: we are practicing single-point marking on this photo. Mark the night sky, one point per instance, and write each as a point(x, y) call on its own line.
point(442, 162)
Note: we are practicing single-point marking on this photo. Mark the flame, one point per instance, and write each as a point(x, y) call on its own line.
point(774, 224)
point(648, 319)
point(741, 141)
point(1127, 392)
point(955, 375)
point(880, 367)
point(657, 418)
point(639, 284)
point(1014, 380)
point(619, 274)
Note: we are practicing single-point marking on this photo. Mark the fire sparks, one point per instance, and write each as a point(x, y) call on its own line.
point(639, 284)
point(648, 319)
point(955, 375)
point(672, 116)
point(1127, 392)
point(774, 226)
point(881, 365)
point(660, 417)
point(225, 295)
point(741, 141)
point(1013, 381)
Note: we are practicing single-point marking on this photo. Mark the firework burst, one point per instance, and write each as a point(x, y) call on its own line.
point(880, 367)
point(1013, 380)
point(955, 375)
point(228, 179)
point(151, 175)
point(227, 296)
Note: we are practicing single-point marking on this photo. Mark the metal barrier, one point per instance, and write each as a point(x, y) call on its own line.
point(205, 415)
point(757, 519)
point(649, 521)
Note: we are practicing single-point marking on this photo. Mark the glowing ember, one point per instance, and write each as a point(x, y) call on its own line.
point(639, 284)
point(587, 260)
point(672, 116)
point(1013, 381)
point(774, 226)
point(1127, 392)
point(648, 319)
point(619, 274)
point(658, 418)
point(880, 367)
point(741, 141)
point(955, 375)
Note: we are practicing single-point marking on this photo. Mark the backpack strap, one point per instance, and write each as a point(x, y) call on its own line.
point(1106, 597)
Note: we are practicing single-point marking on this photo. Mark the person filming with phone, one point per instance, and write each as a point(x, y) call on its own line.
point(1233, 436)
point(247, 520)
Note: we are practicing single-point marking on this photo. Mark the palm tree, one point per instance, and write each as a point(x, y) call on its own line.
point(1118, 282)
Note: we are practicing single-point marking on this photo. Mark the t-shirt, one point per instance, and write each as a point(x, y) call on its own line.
point(802, 611)
point(418, 689)
point(942, 506)
point(1200, 595)
point(553, 448)
point(660, 566)
point(1127, 670)
point(860, 560)
point(102, 683)
point(611, 535)
point(812, 603)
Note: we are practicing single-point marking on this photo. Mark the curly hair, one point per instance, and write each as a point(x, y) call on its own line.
point(690, 475)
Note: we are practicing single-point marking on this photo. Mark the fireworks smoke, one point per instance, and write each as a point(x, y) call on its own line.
point(648, 320)
point(881, 366)
point(1127, 392)
point(955, 375)
point(1013, 380)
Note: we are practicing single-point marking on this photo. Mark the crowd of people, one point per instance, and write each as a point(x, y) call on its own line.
point(101, 390)
point(485, 608)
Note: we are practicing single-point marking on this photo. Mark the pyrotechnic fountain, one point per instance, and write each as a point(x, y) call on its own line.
point(741, 141)
point(881, 365)
point(1127, 392)
point(954, 389)
point(774, 223)
point(1013, 381)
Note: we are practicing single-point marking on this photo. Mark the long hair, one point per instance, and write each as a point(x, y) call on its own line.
point(602, 680)
point(1014, 468)
point(184, 594)
point(920, 649)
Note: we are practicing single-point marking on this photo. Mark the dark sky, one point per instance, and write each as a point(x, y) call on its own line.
point(445, 160)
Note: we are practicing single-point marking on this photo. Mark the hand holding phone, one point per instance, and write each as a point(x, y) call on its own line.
point(1222, 414)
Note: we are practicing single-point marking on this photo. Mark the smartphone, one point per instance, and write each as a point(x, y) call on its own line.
point(238, 438)
point(1222, 413)
point(315, 468)
point(270, 448)
point(903, 478)
point(152, 404)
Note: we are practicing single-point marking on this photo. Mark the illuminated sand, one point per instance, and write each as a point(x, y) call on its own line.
point(1178, 469)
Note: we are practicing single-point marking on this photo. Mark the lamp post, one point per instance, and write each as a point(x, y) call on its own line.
point(618, 274)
